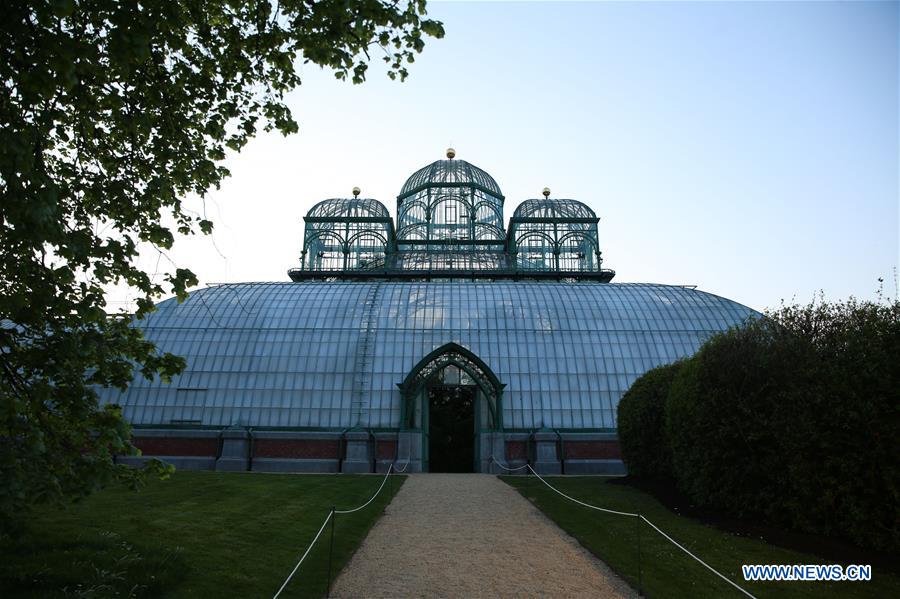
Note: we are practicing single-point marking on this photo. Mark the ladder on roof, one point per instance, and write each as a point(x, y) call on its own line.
point(365, 355)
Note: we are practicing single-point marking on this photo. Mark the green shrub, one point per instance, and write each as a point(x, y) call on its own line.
point(641, 424)
point(793, 419)
point(719, 417)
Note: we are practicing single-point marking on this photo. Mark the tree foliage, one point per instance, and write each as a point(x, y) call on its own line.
point(112, 114)
point(641, 424)
point(794, 419)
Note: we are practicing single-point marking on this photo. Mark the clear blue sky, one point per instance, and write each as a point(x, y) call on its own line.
point(748, 148)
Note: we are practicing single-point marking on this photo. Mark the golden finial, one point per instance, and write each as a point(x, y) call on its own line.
point(356, 192)
point(451, 153)
point(546, 192)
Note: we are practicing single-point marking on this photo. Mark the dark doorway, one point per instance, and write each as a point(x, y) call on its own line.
point(451, 428)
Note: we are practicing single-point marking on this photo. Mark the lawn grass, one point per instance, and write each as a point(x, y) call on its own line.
point(199, 534)
point(665, 570)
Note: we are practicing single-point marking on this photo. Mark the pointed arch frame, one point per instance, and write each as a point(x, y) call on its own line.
point(463, 358)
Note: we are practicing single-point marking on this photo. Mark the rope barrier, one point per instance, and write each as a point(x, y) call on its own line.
point(593, 507)
point(708, 567)
point(508, 469)
point(408, 456)
point(639, 516)
point(331, 515)
point(305, 553)
point(371, 499)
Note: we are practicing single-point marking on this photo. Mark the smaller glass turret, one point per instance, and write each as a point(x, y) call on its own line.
point(557, 235)
point(347, 234)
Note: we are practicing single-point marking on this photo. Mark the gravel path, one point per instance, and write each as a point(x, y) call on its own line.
point(471, 535)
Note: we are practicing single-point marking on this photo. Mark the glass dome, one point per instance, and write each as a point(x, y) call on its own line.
point(450, 202)
point(553, 209)
point(346, 234)
point(349, 208)
point(449, 223)
point(559, 235)
point(331, 354)
point(453, 172)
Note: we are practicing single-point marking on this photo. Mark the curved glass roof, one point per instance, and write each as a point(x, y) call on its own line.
point(453, 172)
point(553, 209)
point(340, 208)
point(330, 354)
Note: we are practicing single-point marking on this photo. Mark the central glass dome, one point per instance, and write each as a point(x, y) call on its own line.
point(449, 202)
point(453, 172)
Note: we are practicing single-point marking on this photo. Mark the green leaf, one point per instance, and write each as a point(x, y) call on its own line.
point(113, 114)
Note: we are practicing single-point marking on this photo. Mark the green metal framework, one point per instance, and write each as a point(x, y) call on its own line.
point(557, 235)
point(450, 201)
point(347, 234)
point(450, 225)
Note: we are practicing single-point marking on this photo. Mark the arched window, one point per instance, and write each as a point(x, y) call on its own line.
point(578, 252)
point(324, 251)
point(535, 250)
point(365, 250)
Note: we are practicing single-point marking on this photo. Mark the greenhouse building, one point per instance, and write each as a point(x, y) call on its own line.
point(438, 342)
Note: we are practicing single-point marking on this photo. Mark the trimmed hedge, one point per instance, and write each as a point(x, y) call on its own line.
point(792, 419)
point(641, 422)
point(722, 422)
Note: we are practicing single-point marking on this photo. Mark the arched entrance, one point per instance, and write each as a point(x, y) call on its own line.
point(452, 398)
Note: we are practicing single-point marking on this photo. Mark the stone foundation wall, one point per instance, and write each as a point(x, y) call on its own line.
point(360, 451)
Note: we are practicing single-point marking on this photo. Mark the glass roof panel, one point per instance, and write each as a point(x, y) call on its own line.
point(450, 171)
point(349, 208)
point(553, 209)
point(302, 354)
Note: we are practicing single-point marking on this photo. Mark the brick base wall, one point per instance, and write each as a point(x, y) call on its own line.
point(387, 450)
point(585, 453)
point(516, 450)
point(174, 446)
point(598, 450)
point(296, 448)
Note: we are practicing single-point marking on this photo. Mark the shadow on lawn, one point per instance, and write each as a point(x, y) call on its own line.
point(89, 564)
point(827, 547)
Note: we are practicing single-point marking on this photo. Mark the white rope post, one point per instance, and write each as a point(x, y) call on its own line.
point(330, 555)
